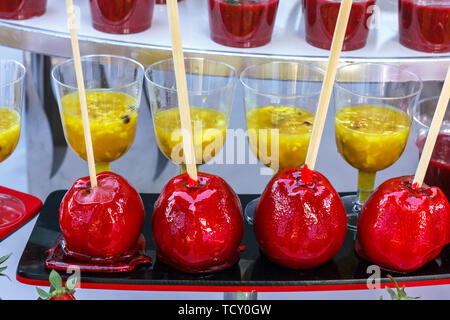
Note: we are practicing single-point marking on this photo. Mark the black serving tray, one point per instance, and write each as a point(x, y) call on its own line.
point(253, 272)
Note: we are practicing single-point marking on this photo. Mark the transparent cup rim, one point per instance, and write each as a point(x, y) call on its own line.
point(231, 82)
point(84, 58)
point(310, 66)
point(417, 79)
point(20, 78)
point(416, 113)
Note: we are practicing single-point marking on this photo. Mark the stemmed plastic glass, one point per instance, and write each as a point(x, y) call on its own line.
point(281, 99)
point(210, 89)
point(12, 81)
point(113, 91)
point(374, 105)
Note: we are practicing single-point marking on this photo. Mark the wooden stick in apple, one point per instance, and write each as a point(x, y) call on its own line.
point(81, 92)
point(327, 87)
point(433, 132)
point(188, 202)
point(183, 98)
point(405, 223)
point(300, 220)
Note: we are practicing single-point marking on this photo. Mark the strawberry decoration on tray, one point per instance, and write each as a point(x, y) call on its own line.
point(57, 291)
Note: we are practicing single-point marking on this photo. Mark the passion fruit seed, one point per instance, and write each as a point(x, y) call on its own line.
point(126, 119)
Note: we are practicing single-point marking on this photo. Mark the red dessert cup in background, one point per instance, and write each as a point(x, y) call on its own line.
point(22, 9)
point(122, 16)
point(242, 23)
point(163, 1)
point(321, 17)
point(438, 172)
point(424, 25)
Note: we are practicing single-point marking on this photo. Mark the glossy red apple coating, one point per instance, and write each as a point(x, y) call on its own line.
point(198, 228)
point(401, 227)
point(103, 222)
point(300, 222)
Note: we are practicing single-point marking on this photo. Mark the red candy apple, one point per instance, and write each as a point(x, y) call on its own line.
point(300, 222)
point(402, 227)
point(103, 222)
point(198, 228)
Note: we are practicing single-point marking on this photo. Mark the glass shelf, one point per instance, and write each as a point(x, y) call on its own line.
point(47, 35)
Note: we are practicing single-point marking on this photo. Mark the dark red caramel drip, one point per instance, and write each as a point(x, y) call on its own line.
point(402, 227)
point(300, 225)
point(104, 222)
point(198, 229)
